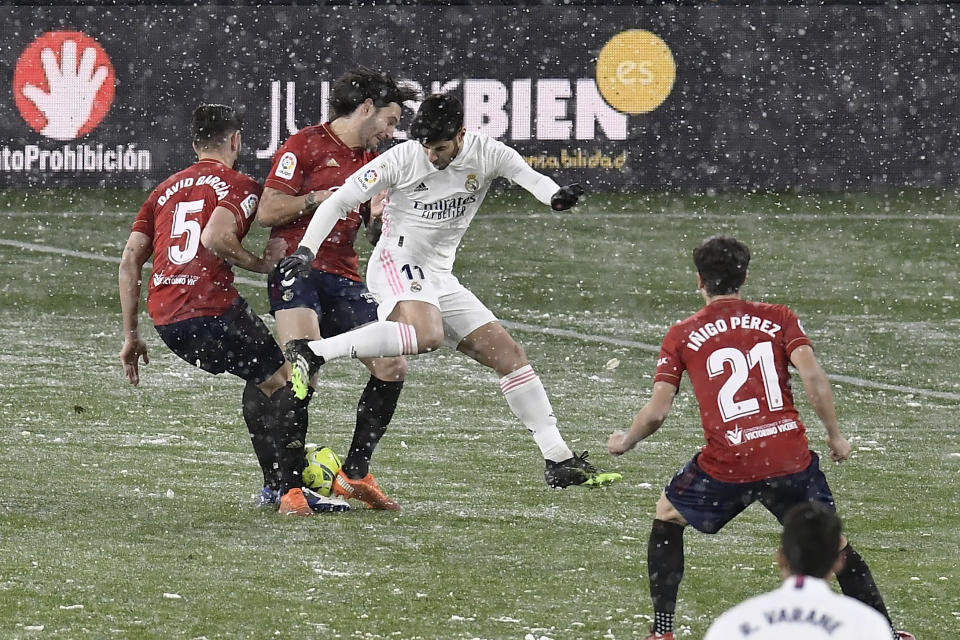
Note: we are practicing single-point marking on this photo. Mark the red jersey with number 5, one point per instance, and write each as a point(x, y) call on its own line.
point(315, 159)
point(736, 353)
point(189, 280)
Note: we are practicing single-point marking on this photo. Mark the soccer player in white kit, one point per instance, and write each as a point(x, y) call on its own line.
point(436, 182)
point(804, 607)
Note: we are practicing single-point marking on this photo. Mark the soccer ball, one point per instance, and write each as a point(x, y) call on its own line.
point(322, 467)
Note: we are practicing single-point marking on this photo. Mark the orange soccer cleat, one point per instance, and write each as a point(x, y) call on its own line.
point(294, 503)
point(365, 490)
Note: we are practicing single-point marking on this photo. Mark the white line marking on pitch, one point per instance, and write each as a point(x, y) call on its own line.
point(521, 326)
point(587, 337)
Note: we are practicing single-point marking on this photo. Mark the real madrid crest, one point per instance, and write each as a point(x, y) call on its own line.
point(415, 286)
point(472, 184)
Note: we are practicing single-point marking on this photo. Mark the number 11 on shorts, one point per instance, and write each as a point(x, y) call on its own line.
point(408, 270)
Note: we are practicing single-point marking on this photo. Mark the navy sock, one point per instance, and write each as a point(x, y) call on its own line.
point(257, 409)
point(290, 433)
point(665, 566)
point(857, 582)
point(374, 412)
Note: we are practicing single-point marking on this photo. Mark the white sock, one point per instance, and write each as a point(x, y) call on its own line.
point(528, 401)
point(375, 340)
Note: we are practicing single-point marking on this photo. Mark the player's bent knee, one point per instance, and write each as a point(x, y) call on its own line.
point(276, 381)
point(430, 339)
point(388, 369)
point(396, 370)
point(668, 513)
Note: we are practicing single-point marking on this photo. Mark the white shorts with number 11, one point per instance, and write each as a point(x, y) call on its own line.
point(394, 275)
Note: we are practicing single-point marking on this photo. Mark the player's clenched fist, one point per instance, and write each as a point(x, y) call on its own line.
point(618, 443)
point(839, 447)
point(295, 265)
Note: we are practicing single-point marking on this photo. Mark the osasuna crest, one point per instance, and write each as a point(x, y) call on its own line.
point(472, 184)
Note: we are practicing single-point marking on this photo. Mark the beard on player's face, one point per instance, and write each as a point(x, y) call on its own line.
point(444, 153)
point(379, 126)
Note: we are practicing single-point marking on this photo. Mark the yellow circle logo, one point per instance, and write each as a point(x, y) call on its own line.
point(635, 71)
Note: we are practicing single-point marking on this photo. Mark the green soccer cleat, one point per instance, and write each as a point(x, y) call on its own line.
point(577, 471)
point(603, 479)
point(303, 364)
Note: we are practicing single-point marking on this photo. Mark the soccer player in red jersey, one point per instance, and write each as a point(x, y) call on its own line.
point(366, 107)
point(193, 224)
point(736, 353)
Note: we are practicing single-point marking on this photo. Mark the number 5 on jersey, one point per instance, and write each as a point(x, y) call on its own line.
point(181, 226)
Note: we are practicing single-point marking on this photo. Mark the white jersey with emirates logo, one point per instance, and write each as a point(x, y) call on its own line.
point(428, 209)
point(803, 608)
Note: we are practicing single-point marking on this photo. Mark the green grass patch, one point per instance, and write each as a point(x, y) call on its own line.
point(128, 513)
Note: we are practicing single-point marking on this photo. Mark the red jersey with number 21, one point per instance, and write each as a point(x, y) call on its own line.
point(736, 353)
point(189, 280)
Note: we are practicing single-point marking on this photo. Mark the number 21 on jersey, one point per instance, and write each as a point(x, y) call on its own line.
point(741, 365)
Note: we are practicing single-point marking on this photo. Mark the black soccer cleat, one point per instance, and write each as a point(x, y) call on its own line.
point(304, 363)
point(577, 471)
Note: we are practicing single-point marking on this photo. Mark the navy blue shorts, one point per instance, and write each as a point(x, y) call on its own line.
point(708, 504)
point(237, 342)
point(341, 304)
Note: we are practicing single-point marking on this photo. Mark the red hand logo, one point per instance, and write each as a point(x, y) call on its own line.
point(58, 96)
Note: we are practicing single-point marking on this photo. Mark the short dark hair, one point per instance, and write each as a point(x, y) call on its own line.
point(351, 89)
point(810, 541)
point(440, 117)
point(213, 123)
point(722, 263)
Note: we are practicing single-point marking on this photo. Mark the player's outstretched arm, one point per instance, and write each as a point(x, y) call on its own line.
point(278, 208)
point(221, 236)
point(334, 208)
point(514, 167)
point(648, 420)
point(135, 255)
point(817, 387)
point(363, 185)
